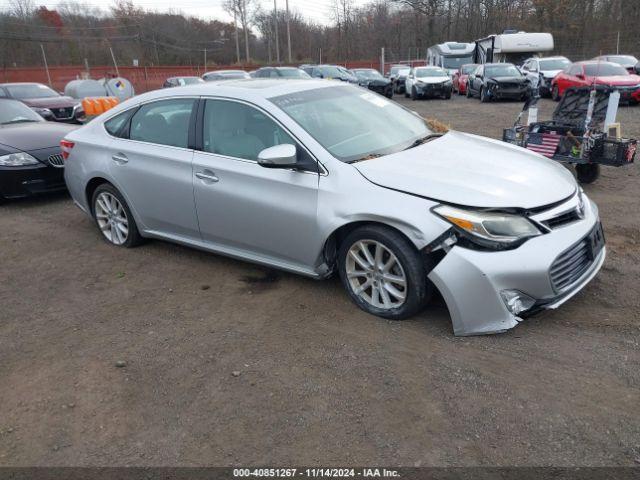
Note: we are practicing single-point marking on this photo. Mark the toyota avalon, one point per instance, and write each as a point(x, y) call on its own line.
point(317, 177)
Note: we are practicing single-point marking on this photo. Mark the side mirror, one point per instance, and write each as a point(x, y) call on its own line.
point(278, 156)
point(637, 69)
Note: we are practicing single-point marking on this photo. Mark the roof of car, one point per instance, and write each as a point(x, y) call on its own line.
point(497, 64)
point(19, 83)
point(247, 89)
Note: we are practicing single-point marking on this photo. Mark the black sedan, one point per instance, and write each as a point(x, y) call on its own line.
point(31, 160)
point(373, 80)
point(494, 81)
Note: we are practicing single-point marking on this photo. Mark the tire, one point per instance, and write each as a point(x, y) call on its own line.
point(113, 233)
point(483, 96)
point(406, 94)
point(555, 93)
point(448, 96)
point(587, 172)
point(414, 93)
point(408, 265)
point(469, 94)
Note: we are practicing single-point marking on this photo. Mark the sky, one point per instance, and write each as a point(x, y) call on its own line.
point(316, 10)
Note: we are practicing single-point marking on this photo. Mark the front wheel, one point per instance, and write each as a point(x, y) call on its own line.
point(414, 93)
point(587, 172)
point(555, 93)
point(469, 95)
point(383, 272)
point(113, 217)
point(483, 95)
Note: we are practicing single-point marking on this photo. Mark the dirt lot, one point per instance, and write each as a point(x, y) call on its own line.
point(320, 382)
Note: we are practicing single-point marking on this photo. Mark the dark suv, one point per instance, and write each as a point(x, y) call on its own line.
point(48, 103)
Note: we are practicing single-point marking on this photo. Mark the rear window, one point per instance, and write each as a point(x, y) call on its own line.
point(604, 70)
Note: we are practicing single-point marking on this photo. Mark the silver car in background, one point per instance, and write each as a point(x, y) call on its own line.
point(316, 177)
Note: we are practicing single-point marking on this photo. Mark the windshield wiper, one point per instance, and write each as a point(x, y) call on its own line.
point(422, 140)
point(370, 156)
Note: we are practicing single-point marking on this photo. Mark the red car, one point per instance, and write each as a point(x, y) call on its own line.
point(460, 78)
point(581, 74)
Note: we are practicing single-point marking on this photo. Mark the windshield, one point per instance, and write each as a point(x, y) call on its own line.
point(403, 72)
point(505, 70)
point(31, 90)
point(467, 69)
point(189, 80)
point(604, 69)
point(396, 69)
point(430, 72)
point(626, 60)
point(292, 73)
point(331, 72)
point(455, 62)
point(233, 75)
point(353, 124)
point(554, 64)
point(368, 74)
point(16, 112)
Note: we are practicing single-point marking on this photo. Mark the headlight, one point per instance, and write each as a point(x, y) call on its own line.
point(43, 112)
point(489, 229)
point(19, 159)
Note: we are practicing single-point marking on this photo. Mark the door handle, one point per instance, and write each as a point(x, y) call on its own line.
point(119, 158)
point(207, 176)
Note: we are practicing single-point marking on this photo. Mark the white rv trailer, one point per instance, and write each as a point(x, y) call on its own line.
point(513, 47)
point(450, 55)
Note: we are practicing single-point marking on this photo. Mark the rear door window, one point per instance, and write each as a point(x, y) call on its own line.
point(165, 122)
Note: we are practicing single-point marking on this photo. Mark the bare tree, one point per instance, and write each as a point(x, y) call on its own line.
point(243, 10)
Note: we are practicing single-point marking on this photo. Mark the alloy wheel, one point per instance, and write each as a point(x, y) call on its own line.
point(111, 218)
point(375, 275)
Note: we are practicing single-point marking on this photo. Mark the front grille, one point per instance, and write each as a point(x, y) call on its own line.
point(570, 265)
point(56, 160)
point(563, 219)
point(62, 113)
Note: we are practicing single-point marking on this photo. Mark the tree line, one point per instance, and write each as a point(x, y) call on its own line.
point(74, 33)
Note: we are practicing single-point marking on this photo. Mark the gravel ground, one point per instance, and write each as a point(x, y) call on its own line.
point(225, 363)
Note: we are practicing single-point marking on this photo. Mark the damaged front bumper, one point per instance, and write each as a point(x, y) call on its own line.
point(475, 284)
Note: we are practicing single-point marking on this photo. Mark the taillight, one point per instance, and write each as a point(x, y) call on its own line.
point(66, 146)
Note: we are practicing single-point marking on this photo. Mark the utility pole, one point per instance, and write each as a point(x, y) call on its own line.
point(235, 25)
point(288, 32)
point(618, 43)
point(382, 60)
point(46, 65)
point(275, 22)
point(205, 59)
point(246, 29)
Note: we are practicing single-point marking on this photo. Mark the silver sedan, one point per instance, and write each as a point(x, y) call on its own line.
point(317, 177)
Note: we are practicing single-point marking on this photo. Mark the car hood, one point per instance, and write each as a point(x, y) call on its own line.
point(508, 79)
point(51, 102)
point(34, 136)
point(432, 79)
point(619, 80)
point(473, 171)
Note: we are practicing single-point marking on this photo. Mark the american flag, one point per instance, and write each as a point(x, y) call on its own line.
point(544, 143)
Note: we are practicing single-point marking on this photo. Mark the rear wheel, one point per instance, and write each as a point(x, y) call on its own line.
point(383, 272)
point(113, 217)
point(587, 172)
point(555, 93)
